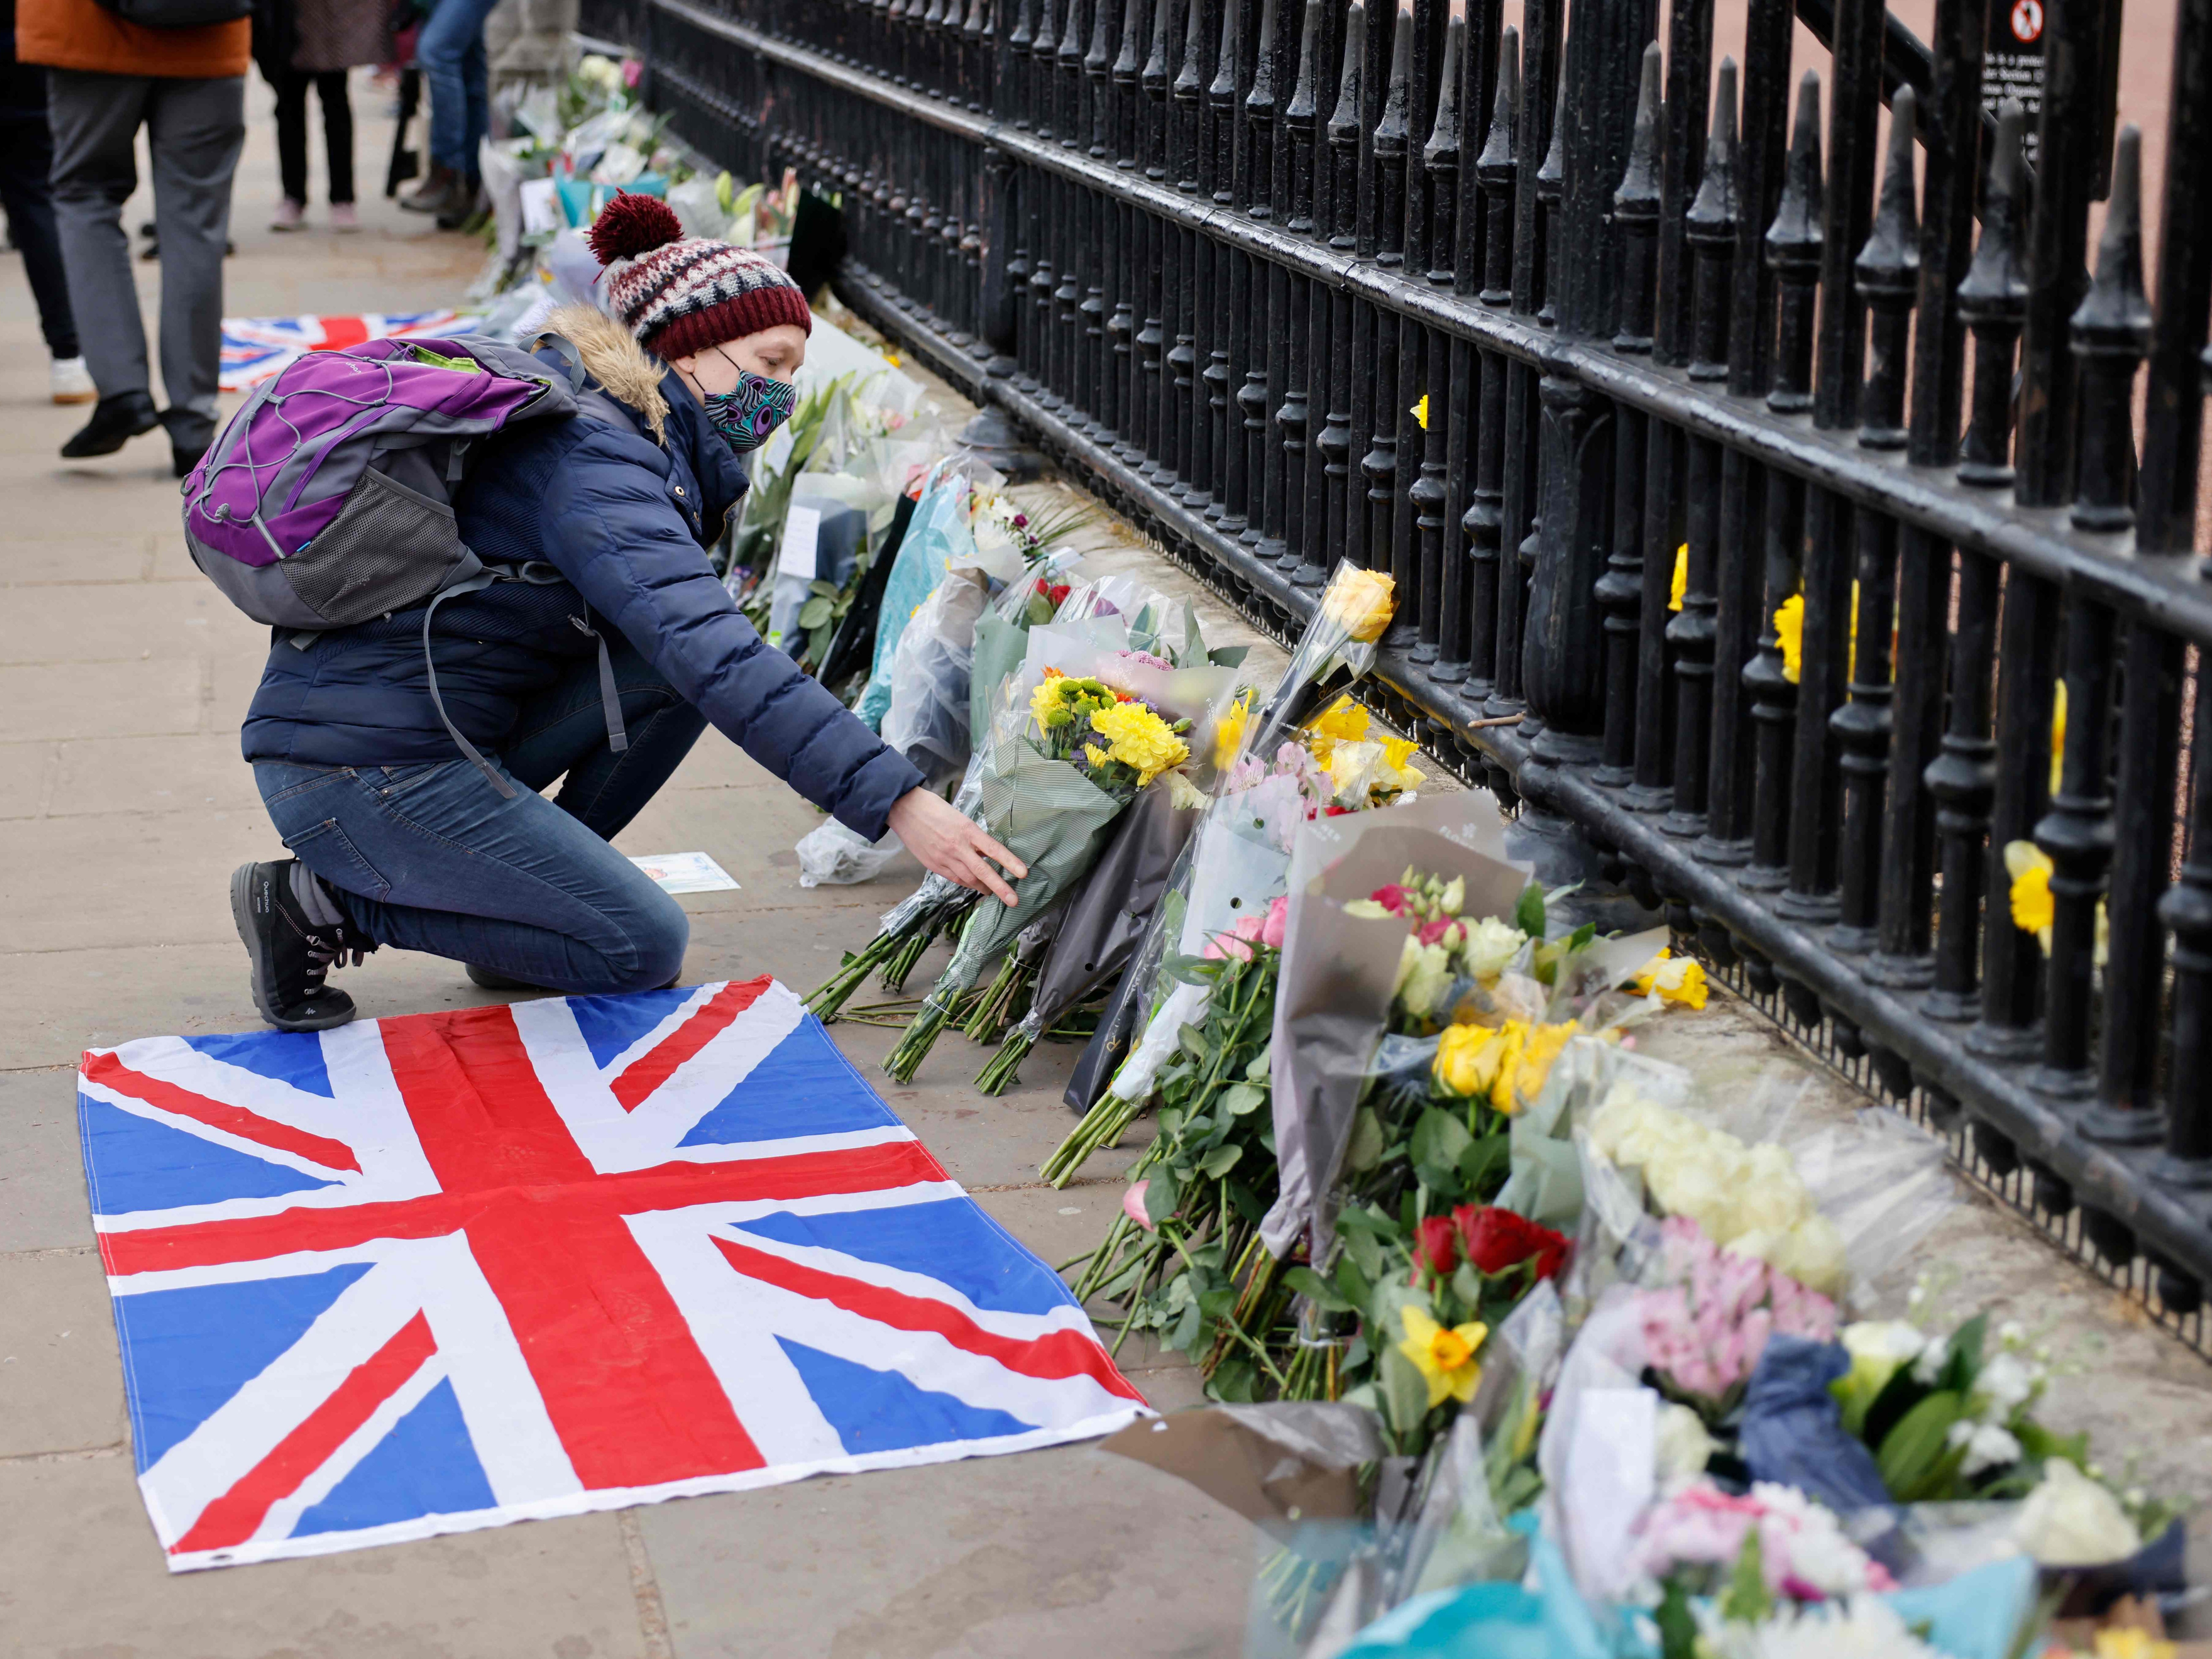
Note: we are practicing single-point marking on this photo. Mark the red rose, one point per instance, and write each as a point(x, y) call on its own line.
point(1498, 1239)
point(1334, 811)
point(1391, 898)
point(1436, 1247)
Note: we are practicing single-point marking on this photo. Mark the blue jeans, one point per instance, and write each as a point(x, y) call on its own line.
point(450, 52)
point(426, 856)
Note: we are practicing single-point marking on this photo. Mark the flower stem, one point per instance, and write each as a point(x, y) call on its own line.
point(1003, 1070)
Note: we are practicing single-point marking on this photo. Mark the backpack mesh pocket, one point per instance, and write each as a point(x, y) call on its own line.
point(388, 548)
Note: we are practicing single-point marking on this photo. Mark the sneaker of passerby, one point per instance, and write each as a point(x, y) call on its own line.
point(70, 381)
point(186, 87)
point(27, 158)
point(308, 45)
point(451, 52)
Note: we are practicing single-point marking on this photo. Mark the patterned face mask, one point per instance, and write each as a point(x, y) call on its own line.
point(745, 415)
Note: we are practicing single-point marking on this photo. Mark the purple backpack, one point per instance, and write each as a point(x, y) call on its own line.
point(327, 499)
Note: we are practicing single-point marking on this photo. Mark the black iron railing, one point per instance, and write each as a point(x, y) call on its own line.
point(1651, 397)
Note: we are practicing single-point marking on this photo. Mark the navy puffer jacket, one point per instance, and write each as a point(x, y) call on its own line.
point(626, 521)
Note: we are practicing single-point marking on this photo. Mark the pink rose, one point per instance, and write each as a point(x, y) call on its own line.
point(1391, 898)
point(631, 70)
point(1223, 946)
point(1248, 927)
point(1278, 917)
point(1133, 1205)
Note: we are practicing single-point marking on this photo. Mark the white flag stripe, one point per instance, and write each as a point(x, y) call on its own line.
point(923, 1357)
point(246, 1428)
point(293, 1265)
point(383, 1133)
point(746, 1315)
point(513, 1436)
point(171, 1060)
point(746, 1152)
point(1016, 1326)
point(192, 1126)
point(700, 997)
point(284, 1514)
point(717, 1070)
point(728, 1318)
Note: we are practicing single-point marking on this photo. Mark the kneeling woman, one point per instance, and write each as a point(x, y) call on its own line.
point(400, 839)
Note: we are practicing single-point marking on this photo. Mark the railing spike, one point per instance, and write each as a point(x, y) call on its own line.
point(1993, 304)
point(1887, 270)
point(1709, 227)
point(2111, 333)
point(1638, 194)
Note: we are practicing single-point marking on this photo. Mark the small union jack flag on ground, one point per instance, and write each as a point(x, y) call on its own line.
point(428, 1275)
point(257, 349)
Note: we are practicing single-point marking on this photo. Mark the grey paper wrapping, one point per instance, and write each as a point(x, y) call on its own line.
point(1050, 816)
point(1339, 971)
point(1107, 918)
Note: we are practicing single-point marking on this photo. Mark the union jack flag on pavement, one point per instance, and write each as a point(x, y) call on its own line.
point(257, 349)
point(424, 1275)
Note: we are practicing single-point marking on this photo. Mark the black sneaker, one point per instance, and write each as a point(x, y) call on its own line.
point(115, 422)
point(290, 954)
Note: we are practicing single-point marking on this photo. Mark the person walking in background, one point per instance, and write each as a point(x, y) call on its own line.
point(450, 53)
point(186, 87)
point(27, 157)
point(303, 44)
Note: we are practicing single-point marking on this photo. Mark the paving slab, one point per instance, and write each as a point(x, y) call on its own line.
point(61, 1384)
point(42, 1199)
point(84, 1580)
point(997, 1558)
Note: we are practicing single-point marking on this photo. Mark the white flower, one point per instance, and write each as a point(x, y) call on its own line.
point(1424, 976)
point(2012, 1334)
point(1987, 1447)
point(1862, 1627)
point(1454, 896)
point(1886, 1343)
point(1929, 1366)
point(1684, 1446)
point(2069, 1521)
point(2005, 1384)
point(1491, 944)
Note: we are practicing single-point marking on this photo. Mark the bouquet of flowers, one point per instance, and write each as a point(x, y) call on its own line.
point(1053, 779)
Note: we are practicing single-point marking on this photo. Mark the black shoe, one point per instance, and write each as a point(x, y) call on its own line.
point(190, 434)
point(435, 194)
point(115, 422)
point(463, 206)
point(290, 954)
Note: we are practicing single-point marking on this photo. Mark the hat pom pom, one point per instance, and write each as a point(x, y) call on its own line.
point(632, 225)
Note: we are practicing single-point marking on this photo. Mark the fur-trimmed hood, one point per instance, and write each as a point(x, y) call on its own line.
point(613, 357)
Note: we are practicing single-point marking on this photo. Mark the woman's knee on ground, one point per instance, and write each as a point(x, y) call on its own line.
point(658, 933)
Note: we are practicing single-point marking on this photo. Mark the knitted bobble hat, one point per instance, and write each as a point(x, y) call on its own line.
point(680, 294)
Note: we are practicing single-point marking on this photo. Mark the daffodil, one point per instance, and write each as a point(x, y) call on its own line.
point(2033, 907)
point(1396, 751)
point(2057, 735)
point(1676, 979)
point(1789, 635)
point(1443, 1356)
point(1230, 732)
point(1680, 585)
point(1342, 721)
point(1420, 411)
point(2131, 1644)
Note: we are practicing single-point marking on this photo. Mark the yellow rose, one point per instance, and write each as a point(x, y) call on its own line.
point(1444, 1358)
point(1360, 602)
point(1533, 1063)
point(1458, 1064)
point(1511, 1036)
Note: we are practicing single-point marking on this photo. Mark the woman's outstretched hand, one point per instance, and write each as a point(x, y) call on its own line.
point(950, 846)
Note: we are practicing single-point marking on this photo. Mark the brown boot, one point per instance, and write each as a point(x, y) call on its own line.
point(433, 195)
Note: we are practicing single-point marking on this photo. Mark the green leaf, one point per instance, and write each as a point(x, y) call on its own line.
point(1365, 1250)
point(1483, 1165)
point(1529, 914)
point(1909, 1454)
point(1242, 1098)
point(824, 590)
point(1405, 1391)
point(1352, 1284)
point(1964, 1363)
point(1258, 1070)
point(1678, 1626)
point(1160, 1196)
point(1439, 1139)
point(1318, 1290)
point(814, 612)
point(1220, 1161)
point(1746, 1598)
point(1193, 1041)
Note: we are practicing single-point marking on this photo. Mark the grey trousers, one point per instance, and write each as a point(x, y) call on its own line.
point(194, 130)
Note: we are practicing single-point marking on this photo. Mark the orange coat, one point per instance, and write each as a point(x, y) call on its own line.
point(80, 35)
